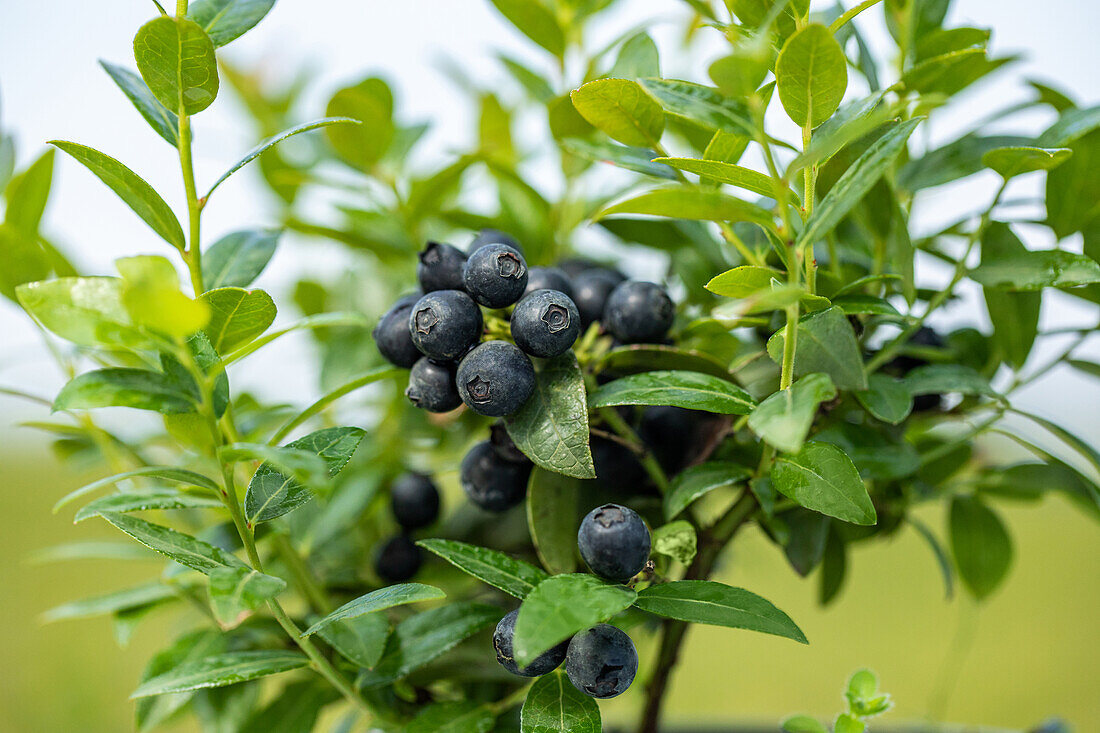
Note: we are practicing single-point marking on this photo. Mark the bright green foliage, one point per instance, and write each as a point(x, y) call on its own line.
point(708, 602)
point(394, 595)
point(176, 59)
point(554, 706)
point(553, 503)
point(811, 75)
point(622, 109)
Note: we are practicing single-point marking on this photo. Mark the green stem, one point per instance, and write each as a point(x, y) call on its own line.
point(615, 421)
point(851, 13)
point(181, 8)
point(193, 254)
point(303, 576)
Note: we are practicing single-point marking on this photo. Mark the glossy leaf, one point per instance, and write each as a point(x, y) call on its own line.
point(84, 310)
point(458, 716)
point(701, 105)
point(635, 358)
point(716, 604)
point(822, 478)
point(825, 343)
point(166, 473)
point(734, 175)
point(220, 670)
point(637, 57)
point(361, 639)
point(640, 160)
point(953, 161)
point(228, 20)
point(140, 389)
point(783, 420)
point(236, 590)
point(176, 59)
point(131, 188)
point(152, 297)
point(515, 577)
point(184, 549)
point(371, 102)
point(552, 512)
point(237, 259)
point(554, 705)
point(237, 316)
point(980, 545)
point(1036, 270)
point(622, 109)
point(536, 21)
point(690, 390)
point(811, 75)
point(140, 501)
point(1015, 316)
point(163, 120)
point(886, 398)
point(941, 378)
point(561, 606)
point(1012, 162)
point(743, 281)
point(676, 540)
point(695, 481)
point(552, 426)
point(682, 202)
point(27, 195)
point(378, 600)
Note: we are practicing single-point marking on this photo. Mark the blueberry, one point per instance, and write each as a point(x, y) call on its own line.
point(675, 435)
point(576, 265)
point(432, 386)
point(602, 661)
point(614, 542)
point(638, 312)
point(548, 278)
point(495, 275)
point(440, 267)
point(414, 500)
point(548, 661)
point(444, 324)
point(905, 363)
point(495, 379)
point(491, 482)
point(493, 236)
point(503, 444)
point(397, 560)
point(590, 292)
point(545, 323)
point(616, 466)
point(392, 334)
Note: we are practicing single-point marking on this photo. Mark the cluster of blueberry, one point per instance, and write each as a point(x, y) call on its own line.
point(414, 501)
point(601, 661)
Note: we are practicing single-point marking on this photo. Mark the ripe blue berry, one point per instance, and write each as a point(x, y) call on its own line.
point(495, 379)
point(414, 500)
point(444, 324)
point(432, 386)
point(616, 466)
point(545, 323)
point(548, 278)
point(614, 542)
point(675, 435)
point(491, 482)
point(638, 312)
point(548, 661)
point(504, 445)
point(397, 560)
point(440, 267)
point(591, 289)
point(392, 334)
point(601, 662)
point(495, 275)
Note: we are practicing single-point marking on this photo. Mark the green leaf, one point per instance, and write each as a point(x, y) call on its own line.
point(561, 606)
point(939, 378)
point(1085, 367)
point(84, 310)
point(552, 501)
point(228, 20)
point(140, 501)
point(552, 426)
point(846, 723)
point(152, 297)
point(25, 259)
point(141, 389)
point(639, 160)
point(554, 705)
point(953, 161)
point(823, 478)
point(237, 259)
point(709, 602)
point(460, 716)
point(27, 195)
point(1038, 270)
point(783, 420)
point(701, 105)
point(514, 577)
point(272, 493)
point(110, 603)
point(684, 202)
point(825, 343)
point(131, 188)
point(184, 549)
point(980, 544)
point(220, 670)
point(622, 109)
point(237, 316)
point(690, 390)
point(695, 481)
point(378, 600)
point(275, 140)
point(1085, 450)
point(635, 358)
point(734, 175)
point(944, 562)
point(536, 21)
point(1073, 189)
point(236, 590)
point(371, 102)
point(743, 281)
point(1015, 316)
point(91, 550)
point(811, 75)
point(294, 710)
point(163, 120)
point(176, 59)
point(189, 648)
point(857, 180)
point(168, 473)
point(1015, 161)
point(361, 639)
point(421, 638)
point(676, 540)
point(886, 398)
point(803, 724)
point(637, 57)
point(854, 305)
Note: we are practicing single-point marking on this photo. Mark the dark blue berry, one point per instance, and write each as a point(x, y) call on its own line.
point(591, 289)
point(491, 482)
point(432, 386)
point(638, 312)
point(602, 661)
point(440, 267)
point(397, 560)
point(493, 236)
point(414, 500)
point(616, 466)
point(444, 324)
point(545, 323)
point(548, 278)
point(614, 542)
point(504, 445)
point(495, 379)
point(495, 275)
point(392, 334)
point(675, 435)
point(548, 661)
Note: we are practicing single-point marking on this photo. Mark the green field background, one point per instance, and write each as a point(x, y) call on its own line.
point(1029, 654)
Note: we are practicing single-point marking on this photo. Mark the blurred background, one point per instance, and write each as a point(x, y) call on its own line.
point(1030, 653)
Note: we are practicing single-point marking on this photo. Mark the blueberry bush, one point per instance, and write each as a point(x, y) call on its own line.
point(610, 435)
